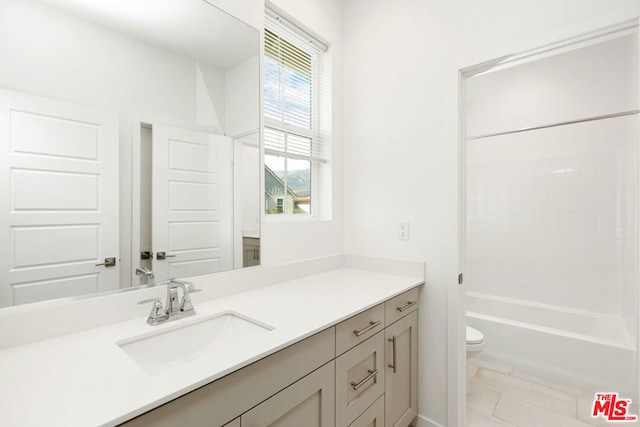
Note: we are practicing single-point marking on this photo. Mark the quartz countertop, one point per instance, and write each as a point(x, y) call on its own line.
point(86, 379)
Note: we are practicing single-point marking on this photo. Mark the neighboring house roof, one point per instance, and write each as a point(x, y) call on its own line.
point(271, 181)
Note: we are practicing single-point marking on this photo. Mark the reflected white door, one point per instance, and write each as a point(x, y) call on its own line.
point(58, 199)
point(192, 202)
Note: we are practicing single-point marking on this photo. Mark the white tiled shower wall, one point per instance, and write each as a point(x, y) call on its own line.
point(554, 227)
point(552, 212)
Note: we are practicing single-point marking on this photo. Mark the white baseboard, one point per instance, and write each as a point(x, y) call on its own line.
point(422, 421)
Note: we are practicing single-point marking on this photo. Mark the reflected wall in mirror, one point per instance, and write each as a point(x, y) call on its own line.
point(129, 145)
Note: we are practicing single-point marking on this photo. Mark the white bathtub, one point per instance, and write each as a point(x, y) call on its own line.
point(587, 350)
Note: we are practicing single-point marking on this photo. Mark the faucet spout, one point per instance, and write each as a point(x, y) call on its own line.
point(141, 271)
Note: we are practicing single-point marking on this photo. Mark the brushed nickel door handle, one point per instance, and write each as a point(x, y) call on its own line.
point(163, 255)
point(372, 325)
point(108, 262)
point(409, 305)
point(393, 365)
point(372, 373)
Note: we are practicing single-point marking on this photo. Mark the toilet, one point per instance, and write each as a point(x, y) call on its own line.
point(475, 343)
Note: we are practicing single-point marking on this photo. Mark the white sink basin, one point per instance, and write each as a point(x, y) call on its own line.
point(158, 351)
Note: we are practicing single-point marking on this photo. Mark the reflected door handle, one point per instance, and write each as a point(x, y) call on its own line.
point(108, 262)
point(164, 255)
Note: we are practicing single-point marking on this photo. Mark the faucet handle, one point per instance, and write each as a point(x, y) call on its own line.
point(157, 312)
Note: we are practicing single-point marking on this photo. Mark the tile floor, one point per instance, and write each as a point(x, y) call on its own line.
point(504, 397)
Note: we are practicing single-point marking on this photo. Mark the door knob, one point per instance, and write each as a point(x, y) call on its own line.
point(108, 262)
point(163, 255)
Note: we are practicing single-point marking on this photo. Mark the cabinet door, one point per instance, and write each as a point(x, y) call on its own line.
point(372, 417)
point(401, 379)
point(308, 402)
point(359, 379)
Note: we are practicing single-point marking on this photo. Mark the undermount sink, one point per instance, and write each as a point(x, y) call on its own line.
point(158, 351)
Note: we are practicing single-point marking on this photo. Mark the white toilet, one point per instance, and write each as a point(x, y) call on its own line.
point(475, 343)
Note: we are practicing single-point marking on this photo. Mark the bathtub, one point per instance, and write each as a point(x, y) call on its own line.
point(587, 350)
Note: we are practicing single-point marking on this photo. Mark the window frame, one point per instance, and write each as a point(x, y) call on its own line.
point(320, 85)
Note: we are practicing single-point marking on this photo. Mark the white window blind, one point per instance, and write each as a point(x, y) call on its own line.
point(296, 92)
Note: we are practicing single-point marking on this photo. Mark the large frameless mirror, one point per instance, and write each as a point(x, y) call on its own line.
point(129, 145)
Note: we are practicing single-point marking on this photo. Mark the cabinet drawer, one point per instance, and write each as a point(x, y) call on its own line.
point(398, 307)
point(372, 417)
point(358, 328)
point(359, 379)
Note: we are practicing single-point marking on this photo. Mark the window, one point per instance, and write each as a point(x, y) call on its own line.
point(296, 120)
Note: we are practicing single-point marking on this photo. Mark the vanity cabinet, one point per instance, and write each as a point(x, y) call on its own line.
point(225, 399)
point(360, 373)
point(401, 376)
point(308, 402)
point(372, 417)
point(359, 379)
point(250, 251)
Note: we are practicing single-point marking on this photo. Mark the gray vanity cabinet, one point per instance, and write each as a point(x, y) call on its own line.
point(360, 373)
point(250, 251)
point(308, 402)
point(401, 376)
point(372, 417)
point(223, 400)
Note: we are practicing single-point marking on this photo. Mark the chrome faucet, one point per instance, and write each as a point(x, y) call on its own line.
point(141, 271)
point(174, 308)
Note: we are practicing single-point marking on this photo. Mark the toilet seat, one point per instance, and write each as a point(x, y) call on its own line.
point(474, 336)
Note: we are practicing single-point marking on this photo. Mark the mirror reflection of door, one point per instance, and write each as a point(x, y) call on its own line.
point(59, 193)
point(192, 203)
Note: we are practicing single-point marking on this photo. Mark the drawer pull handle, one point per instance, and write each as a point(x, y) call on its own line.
point(409, 305)
point(393, 365)
point(372, 373)
point(372, 325)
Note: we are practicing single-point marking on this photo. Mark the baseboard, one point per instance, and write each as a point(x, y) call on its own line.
point(421, 421)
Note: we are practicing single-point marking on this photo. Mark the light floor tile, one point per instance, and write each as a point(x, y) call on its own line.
point(482, 398)
point(472, 368)
point(575, 391)
point(536, 394)
point(477, 418)
point(525, 414)
point(492, 366)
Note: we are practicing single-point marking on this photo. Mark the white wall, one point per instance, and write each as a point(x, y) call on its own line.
point(288, 241)
point(401, 131)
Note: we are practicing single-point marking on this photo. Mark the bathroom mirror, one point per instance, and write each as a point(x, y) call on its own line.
point(129, 142)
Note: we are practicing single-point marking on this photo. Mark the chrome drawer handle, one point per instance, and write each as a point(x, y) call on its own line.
point(409, 305)
point(365, 379)
point(393, 365)
point(372, 325)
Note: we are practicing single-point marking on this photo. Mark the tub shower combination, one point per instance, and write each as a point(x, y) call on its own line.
point(576, 347)
point(551, 268)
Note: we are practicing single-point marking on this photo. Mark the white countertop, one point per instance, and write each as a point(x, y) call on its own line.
point(85, 379)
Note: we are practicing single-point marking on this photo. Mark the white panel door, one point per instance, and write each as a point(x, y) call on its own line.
point(192, 200)
point(58, 199)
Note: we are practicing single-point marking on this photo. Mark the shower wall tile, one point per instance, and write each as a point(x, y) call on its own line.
point(551, 217)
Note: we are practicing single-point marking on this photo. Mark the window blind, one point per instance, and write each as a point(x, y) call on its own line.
point(296, 92)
